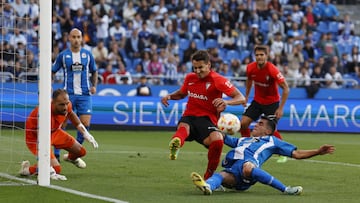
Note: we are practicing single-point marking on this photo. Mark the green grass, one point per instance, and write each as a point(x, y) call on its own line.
point(134, 167)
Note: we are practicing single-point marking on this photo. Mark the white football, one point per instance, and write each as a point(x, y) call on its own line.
point(229, 123)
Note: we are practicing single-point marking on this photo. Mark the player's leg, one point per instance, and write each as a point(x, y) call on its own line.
point(215, 144)
point(83, 106)
point(257, 174)
point(63, 140)
point(178, 139)
point(57, 151)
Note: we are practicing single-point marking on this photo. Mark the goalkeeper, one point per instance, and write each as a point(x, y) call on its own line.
point(61, 110)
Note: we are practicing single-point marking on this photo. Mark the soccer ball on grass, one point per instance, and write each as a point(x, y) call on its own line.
point(229, 123)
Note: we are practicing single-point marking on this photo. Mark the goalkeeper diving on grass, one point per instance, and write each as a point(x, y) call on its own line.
point(61, 111)
point(242, 164)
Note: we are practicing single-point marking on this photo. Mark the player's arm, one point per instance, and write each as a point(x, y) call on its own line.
point(304, 154)
point(94, 81)
point(284, 96)
point(248, 85)
point(177, 95)
point(80, 127)
point(236, 98)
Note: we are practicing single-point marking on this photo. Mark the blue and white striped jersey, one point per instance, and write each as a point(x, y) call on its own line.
point(77, 68)
point(255, 149)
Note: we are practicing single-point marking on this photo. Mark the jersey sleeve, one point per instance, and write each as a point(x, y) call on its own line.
point(276, 74)
point(284, 148)
point(224, 85)
point(57, 64)
point(184, 86)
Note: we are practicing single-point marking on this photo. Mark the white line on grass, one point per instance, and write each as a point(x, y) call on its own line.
point(191, 152)
point(55, 187)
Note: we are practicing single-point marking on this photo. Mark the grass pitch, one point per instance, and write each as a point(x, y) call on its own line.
point(133, 166)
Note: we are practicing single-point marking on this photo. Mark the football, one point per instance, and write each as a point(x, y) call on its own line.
point(229, 123)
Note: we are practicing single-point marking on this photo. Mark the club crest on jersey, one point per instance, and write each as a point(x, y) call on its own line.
point(207, 85)
point(267, 78)
point(83, 55)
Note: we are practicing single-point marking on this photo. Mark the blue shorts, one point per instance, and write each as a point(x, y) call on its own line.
point(82, 104)
point(236, 168)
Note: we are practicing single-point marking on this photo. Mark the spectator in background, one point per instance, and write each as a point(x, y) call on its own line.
point(328, 11)
point(101, 54)
point(134, 45)
point(206, 26)
point(129, 11)
point(194, 30)
point(316, 82)
point(123, 76)
point(242, 39)
point(143, 89)
point(66, 21)
point(275, 26)
point(255, 37)
point(226, 39)
point(171, 65)
point(353, 62)
point(117, 34)
point(102, 26)
point(108, 75)
point(274, 6)
point(295, 60)
point(156, 69)
point(333, 78)
point(346, 26)
point(308, 51)
point(242, 13)
point(303, 78)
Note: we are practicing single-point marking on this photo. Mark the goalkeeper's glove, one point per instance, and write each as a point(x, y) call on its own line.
point(91, 139)
point(87, 135)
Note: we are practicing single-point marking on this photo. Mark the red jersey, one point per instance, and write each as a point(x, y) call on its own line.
point(32, 122)
point(201, 93)
point(266, 82)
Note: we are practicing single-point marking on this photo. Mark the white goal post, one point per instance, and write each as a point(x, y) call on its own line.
point(45, 36)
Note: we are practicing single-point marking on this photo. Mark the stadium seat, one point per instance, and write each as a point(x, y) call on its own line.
point(334, 27)
point(199, 44)
point(244, 54)
point(264, 26)
point(323, 27)
point(211, 43)
point(231, 54)
point(183, 44)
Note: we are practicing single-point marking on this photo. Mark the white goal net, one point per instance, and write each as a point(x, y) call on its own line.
point(20, 84)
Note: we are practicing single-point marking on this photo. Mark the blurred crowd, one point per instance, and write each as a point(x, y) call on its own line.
point(309, 40)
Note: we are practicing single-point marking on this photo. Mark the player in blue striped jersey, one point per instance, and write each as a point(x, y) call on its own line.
point(242, 164)
point(80, 78)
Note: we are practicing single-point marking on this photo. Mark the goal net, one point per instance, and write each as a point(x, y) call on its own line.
point(20, 86)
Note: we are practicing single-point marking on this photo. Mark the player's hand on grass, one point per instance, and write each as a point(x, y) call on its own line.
point(91, 139)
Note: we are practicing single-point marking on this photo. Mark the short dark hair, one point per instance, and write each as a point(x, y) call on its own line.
point(201, 55)
point(272, 122)
point(261, 48)
point(58, 92)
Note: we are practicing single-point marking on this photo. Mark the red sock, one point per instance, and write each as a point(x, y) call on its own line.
point(245, 132)
point(214, 155)
point(277, 134)
point(33, 169)
point(75, 156)
point(182, 134)
point(57, 169)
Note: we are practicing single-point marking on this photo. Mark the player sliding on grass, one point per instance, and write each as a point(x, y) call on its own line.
point(242, 164)
point(204, 89)
point(61, 110)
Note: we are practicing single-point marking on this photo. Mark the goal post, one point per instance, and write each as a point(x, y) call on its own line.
point(45, 38)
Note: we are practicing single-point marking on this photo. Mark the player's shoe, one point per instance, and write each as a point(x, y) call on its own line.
point(200, 183)
point(174, 146)
point(24, 170)
point(77, 162)
point(55, 176)
point(297, 190)
point(282, 159)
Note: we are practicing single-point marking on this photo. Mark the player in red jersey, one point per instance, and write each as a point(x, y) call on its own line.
point(61, 110)
point(204, 89)
point(266, 78)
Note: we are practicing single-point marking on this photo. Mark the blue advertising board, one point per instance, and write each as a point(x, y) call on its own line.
point(118, 107)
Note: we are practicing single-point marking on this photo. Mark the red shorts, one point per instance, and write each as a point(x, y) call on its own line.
point(59, 139)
